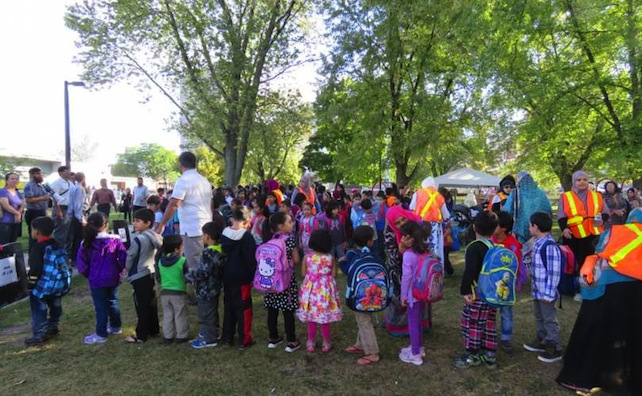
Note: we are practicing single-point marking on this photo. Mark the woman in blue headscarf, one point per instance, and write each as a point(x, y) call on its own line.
point(605, 348)
point(522, 202)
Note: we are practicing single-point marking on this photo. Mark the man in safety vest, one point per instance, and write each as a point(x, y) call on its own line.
point(581, 215)
point(430, 206)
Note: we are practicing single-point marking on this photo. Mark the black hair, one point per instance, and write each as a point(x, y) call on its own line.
point(616, 188)
point(160, 190)
point(213, 230)
point(8, 175)
point(62, 168)
point(418, 233)
point(299, 199)
point(187, 160)
point(366, 204)
point(95, 222)
point(287, 203)
point(304, 203)
point(241, 214)
point(505, 220)
point(333, 204)
point(271, 227)
point(237, 202)
point(145, 215)
point(381, 194)
point(34, 170)
point(153, 200)
point(406, 200)
point(44, 224)
point(321, 241)
point(485, 223)
point(542, 220)
point(362, 234)
point(632, 189)
point(218, 199)
point(356, 195)
point(171, 243)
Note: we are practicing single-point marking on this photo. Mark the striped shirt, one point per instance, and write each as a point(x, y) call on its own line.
point(545, 274)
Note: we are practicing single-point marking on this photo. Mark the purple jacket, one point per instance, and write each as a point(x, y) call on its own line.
point(103, 262)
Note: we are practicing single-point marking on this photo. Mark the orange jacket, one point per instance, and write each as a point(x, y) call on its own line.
point(580, 218)
point(428, 205)
point(623, 250)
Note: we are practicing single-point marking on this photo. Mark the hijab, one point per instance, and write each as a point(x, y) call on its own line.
point(428, 182)
point(394, 213)
point(635, 216)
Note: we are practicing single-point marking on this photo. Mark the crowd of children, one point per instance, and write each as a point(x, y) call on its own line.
point(317, 233)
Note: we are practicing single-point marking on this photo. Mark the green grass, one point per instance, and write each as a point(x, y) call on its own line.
point(65, 365)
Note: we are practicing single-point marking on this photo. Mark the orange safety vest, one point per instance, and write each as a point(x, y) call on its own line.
point(309, 198)
point(580, 218)
point(428, 205)
point(623, 250)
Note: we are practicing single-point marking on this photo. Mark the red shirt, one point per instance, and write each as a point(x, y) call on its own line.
point(511, 243)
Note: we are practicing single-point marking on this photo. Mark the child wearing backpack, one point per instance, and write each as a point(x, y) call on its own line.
point(170, 270)
point(331, 221)
point(319, 298)
point(504, 237)
point(306, 227)
point(140, 273)
point(44, 300)
point(478, 318)
point(546, 270)
point(366, 344)
point(101, 259)
point(208, 278)
point(281, 226)
point(413, 245)
point(239, 247)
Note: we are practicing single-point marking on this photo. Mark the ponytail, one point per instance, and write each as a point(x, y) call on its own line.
point(95, 222)
point(271, 225)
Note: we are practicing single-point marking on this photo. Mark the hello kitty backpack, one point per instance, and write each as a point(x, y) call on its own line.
point(273, 272)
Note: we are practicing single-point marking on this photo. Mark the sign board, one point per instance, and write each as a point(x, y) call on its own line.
point(8, 273)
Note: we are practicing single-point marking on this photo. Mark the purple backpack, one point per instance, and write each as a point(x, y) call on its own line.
point(428, 282)
point(273, 272)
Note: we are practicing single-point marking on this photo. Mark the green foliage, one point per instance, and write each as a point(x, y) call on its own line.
point(8, 164)
point(218, 54)
point(148, 160)
point(210, 165)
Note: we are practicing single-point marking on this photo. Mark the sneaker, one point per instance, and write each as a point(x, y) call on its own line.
point(550, 355)
point(406, 356)
point(467, 360)
point(507, 346)
point(167, 341)
point(94, 339)
point(114, 330)
point(201, 343)
point(34, 341)
point(243, 347)
point(292, 346)
point(272, 344)
point(535, 346)
point(422, 350)
point(489, 361)
point(578, 297)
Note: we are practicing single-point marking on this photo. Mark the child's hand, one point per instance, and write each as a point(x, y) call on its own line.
point(468, 299)
point(404, 303)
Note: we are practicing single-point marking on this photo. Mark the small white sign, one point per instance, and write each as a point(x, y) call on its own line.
point(8, 274)
point(122, 233)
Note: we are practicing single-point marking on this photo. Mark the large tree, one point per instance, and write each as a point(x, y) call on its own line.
point(217, 54)
point(148, 160)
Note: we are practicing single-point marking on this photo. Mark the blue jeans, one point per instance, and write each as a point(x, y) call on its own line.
point(506, 313)
point(106, 307)
point(39, 322)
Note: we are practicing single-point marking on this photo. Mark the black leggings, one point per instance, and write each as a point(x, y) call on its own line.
point(288, 319)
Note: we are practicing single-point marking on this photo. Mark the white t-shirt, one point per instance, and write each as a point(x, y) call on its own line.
point(62, 187)
point(196, 193)
point(140, 196)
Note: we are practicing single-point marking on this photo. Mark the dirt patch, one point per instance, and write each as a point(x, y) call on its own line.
point(14, 334)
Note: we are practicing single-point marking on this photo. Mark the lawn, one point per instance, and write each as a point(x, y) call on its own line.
point(65, 365)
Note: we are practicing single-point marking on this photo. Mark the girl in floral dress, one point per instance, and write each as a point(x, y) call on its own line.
point(318, 297)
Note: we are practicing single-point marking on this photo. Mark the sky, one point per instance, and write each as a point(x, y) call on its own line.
point(38, 57)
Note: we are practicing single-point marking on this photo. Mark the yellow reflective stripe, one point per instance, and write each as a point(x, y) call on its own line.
point(431, 200)
point(629, 247)
point(596, 206)
point(571, 203)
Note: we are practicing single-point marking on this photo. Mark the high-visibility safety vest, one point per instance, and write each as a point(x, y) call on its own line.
point(428, 205)
point(623, 251)
point(580, 217)
point(309, 198)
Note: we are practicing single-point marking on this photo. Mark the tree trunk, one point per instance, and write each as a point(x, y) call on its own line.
point(567, 181)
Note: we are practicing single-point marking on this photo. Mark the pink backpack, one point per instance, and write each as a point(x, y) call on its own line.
point(428, 283)
point(273, 272)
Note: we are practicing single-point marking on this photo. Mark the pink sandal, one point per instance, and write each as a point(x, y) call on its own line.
point(327, 347)
point(309, 346)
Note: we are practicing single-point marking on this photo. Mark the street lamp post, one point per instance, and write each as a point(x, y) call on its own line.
point(67, 134)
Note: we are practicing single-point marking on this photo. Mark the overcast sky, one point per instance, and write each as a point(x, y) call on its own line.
point(37, 58)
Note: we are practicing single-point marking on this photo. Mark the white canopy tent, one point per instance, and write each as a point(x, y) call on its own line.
point(467, 178)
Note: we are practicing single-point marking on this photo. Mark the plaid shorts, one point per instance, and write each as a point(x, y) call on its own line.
point(478, 327)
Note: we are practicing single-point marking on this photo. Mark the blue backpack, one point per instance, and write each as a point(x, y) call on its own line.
point(55, 279)
point(369, 288)
point(496, 283)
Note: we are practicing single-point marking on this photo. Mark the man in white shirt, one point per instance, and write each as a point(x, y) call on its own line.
point(61, 188)
point(140, 195)
point(192, 196)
